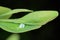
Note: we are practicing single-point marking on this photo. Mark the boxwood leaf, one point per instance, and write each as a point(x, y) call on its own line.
point(13, 37)
point(15, 11)
point(4, 10)
point(29, 22)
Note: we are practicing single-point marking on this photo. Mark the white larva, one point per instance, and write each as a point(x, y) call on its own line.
point(21, 25)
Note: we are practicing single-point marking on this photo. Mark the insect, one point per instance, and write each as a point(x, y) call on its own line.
point(31, 21)
point(21, 25)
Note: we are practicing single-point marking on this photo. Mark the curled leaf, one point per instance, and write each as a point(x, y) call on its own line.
point(15, 11)
point(33, 20)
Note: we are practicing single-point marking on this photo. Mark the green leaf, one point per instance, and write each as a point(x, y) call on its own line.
point(15, 11)
point(29, 22)
point(4, 10)
point(41, 17)
point(13, 37)
point(15, 27)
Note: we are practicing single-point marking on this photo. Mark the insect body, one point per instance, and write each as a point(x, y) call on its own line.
point(21, 25)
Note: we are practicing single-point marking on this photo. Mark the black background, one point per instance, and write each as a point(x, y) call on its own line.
point(50, 31)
